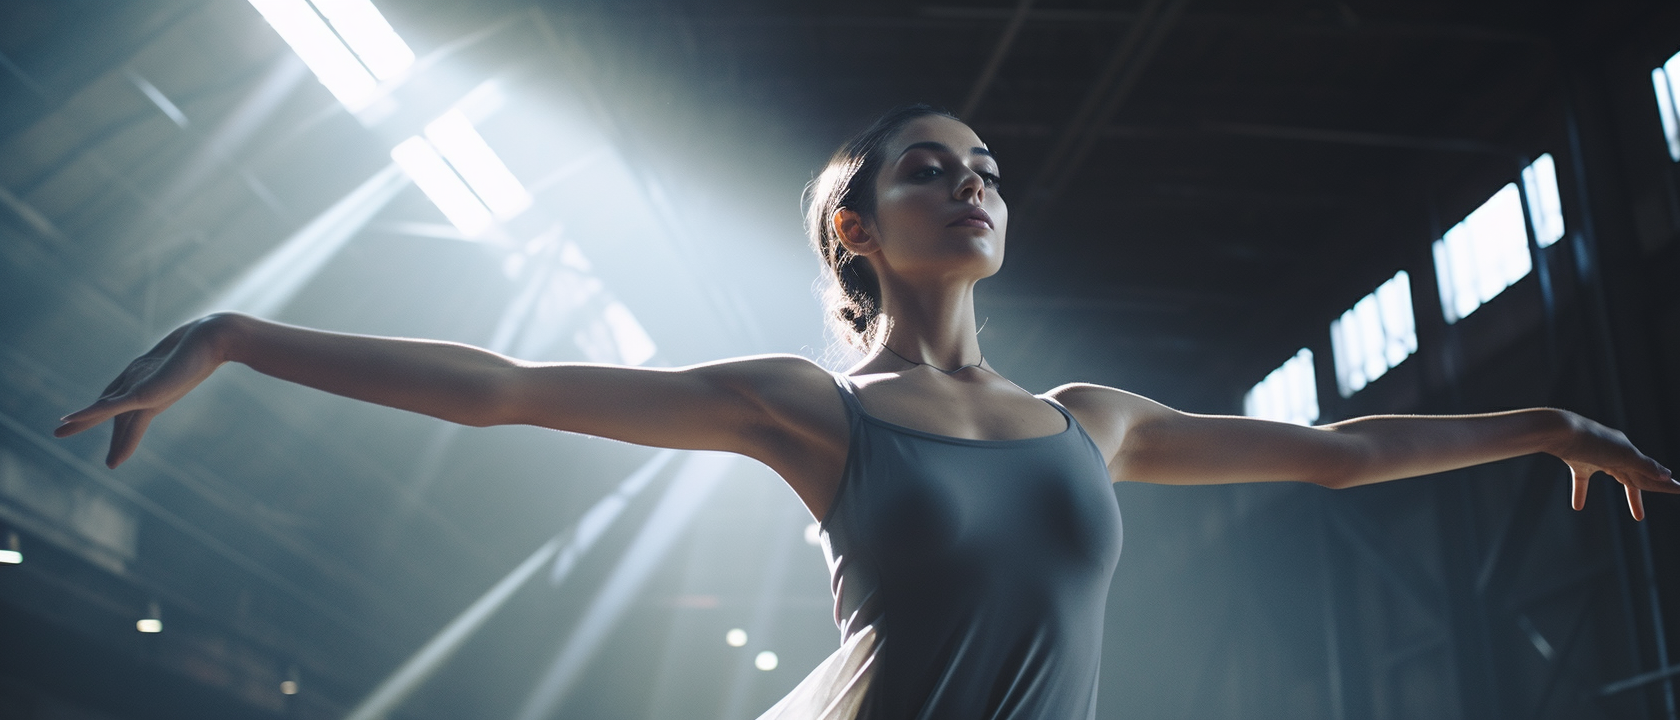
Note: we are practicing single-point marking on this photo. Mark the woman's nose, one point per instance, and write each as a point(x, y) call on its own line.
point(971, 187)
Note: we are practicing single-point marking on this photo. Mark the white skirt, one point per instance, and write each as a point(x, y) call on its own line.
point(835, 690)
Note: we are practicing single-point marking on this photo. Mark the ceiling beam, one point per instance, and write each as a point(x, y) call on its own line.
point(1114, 84)
point(1359, 138)
point(999, 51)
point(1343, 24)
point(1329, 136)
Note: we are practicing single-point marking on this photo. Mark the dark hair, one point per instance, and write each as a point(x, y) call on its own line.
point(852, 294)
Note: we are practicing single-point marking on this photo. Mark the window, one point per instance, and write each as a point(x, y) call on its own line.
point(1376, 334)
point(346, 43)
point(1289, 394)
point(1482, 255)
point(440, 183)
point(1545, 207)
point(1664, 81)
point(454, 136)
point(461, 174)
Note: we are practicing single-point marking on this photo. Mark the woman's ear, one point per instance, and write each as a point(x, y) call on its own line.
point(855, 232)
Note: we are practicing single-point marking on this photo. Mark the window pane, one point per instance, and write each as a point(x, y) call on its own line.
point(1394, 300)
point(1483, 254)
point(333, 64)
point(1287, 394)
point(1666, 111)
point(1444, 281)
point(1671, 74)
point(1461, 254)
point(1545, 206)
point(1376, 334)
point(1345, 358)
point(1370, 338)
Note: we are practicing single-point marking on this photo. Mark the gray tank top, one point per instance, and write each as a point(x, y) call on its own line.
point(984, 565)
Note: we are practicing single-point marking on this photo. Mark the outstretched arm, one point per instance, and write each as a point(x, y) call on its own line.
point(1146, 441)
point(718, 406)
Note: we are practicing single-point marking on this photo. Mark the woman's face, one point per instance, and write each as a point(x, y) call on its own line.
point(937, 209)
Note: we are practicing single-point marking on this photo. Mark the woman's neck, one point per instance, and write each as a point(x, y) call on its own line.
point(931, 325)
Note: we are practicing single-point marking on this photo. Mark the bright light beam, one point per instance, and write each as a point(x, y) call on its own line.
point(442, 186)
point(369, 35)
point(766, 609)
point(235, 129)
point(513, 321)
point(432, 655)
point(314, 42)
point(157, 97)
point(634, 345)
point(273, 280)
point(460, 143)
point(698, 476)
point(430, 658)
point(594, 523)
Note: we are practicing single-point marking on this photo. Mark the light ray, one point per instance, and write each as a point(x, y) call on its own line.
point(157, 97)
point(273, 280)
point(430, 658)
point(700, 473)
point(253, 110)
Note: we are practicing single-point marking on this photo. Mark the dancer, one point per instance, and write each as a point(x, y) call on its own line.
point(969, 525)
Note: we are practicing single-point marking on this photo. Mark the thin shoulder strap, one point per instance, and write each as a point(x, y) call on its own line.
point(848, 394)
point(1073, 422)
point(1053, 402)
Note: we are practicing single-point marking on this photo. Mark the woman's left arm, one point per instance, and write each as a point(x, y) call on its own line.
point(1146, 441)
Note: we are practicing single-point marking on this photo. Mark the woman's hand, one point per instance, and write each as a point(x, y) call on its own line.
point(149, 385)
point(1593, 448)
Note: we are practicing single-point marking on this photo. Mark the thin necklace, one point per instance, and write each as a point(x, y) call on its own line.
point(936, 367)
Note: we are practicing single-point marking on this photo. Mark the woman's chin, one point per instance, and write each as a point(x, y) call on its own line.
point(977, 262)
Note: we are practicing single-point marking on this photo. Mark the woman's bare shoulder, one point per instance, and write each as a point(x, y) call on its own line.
point(774, 373)
point(793, 390)
point(802, 431)
point(1105, 412)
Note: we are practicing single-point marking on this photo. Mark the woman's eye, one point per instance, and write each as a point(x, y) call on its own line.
point(991, 179)
point(927, 173)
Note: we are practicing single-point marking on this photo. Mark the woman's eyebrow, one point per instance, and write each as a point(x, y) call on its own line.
point(941, 147)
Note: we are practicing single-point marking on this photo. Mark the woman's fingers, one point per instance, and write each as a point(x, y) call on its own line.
point(119, 432)
point(100, 411)
point(1579, 478)
point(143, 389)
point(1636, 503)
point(1580, 475)
point(125, 435)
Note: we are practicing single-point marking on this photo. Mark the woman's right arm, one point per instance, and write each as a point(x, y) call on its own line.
point(717, 406)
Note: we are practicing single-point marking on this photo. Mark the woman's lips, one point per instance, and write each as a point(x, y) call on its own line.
point(974, 218)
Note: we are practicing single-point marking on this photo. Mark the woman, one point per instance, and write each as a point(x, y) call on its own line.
point(969, 526)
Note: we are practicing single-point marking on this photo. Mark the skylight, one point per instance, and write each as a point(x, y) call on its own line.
point(456, 168)
point(1482, 255)
point(1376, 334)
point(1289, 394)
point(453, 136)
point(445, 189)
point(361, 26)
point(352, 55)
